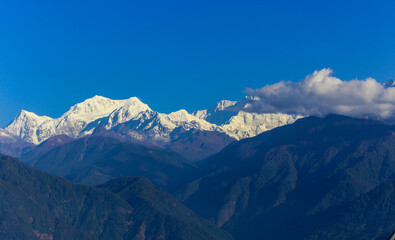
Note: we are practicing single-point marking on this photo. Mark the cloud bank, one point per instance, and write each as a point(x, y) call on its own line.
point(320, 93)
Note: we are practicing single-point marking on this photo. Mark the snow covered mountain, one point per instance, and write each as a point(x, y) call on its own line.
point(150, 126)
point(235, 119)
point(133, 120)
point(36, 129)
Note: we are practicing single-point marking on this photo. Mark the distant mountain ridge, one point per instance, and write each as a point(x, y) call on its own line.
point(96, 159)
point(319, 178)
point(135, 121)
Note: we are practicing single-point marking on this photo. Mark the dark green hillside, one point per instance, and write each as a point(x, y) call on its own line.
point(161, 212)
point(372, 215)
point(37, 205)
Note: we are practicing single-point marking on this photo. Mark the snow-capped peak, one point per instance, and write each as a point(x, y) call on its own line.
point(224, 104)
point(182, 115)
point(181, 118)
point(23, 113)
point(98, 107)
point(36, 129)
point(24, 125)
point(138, 121)
point(26, 117)
point(132, 108)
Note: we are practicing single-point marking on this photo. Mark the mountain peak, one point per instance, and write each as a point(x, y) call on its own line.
point(97, 97)
point(24, 123)
point(101, 98)
point(134, 99)
point(224, 104)
point(181, 115)
point(35, 129)
point(24, 112)
point(29, 114)
point(181, 111)
point(24, 115)
point(99, 107)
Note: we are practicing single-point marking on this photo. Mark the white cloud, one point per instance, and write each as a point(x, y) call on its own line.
point(320, 93)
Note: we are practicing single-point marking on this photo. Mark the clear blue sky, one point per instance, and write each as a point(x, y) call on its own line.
point(181, 54)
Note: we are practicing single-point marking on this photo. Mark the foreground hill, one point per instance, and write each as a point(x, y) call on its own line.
point(37, 205)
point(95, 160)
point(161, 212)
point(370, 216)
point(301, 181)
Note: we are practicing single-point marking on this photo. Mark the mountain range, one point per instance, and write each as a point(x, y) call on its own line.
point(231, 171)
point(136, 122)
point(319, 178)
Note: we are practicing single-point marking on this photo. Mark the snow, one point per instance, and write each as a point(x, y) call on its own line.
point(99, 107)
point(246, 124)
point(201, 114)
point(141, 122)
point(129, 111)
point(5, 135)
point(233, 118)
point(224, 104)
point(36, 129)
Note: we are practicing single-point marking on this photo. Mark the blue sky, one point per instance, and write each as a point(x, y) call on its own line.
point(181, 54)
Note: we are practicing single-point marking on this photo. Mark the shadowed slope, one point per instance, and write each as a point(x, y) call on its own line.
point(258, 187)
point(95, 160)
point(161, 212)
point(37, 205)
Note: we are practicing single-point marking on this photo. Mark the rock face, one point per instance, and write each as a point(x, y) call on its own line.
point(307, 178)
point(37, 205)
point(135, 121)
